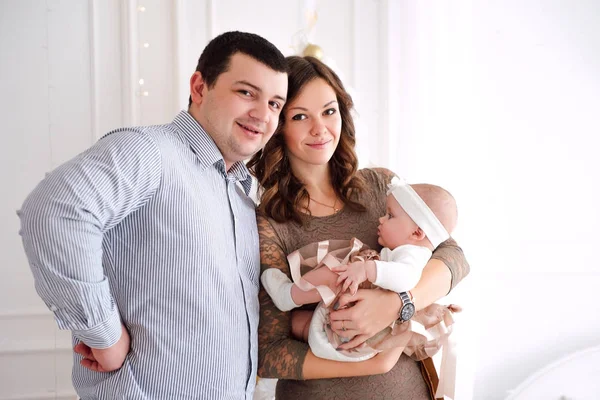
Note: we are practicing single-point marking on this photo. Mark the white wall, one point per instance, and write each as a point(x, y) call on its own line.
point(494, 100)
point(541, 115)
point(71, 72)
point(45, 98)
point(498, 102)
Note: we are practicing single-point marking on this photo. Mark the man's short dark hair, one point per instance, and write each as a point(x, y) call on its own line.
point(216, 56)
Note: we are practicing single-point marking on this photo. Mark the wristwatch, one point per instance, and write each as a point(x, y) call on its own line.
point(408, 308)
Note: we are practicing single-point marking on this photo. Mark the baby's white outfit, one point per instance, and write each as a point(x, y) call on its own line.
point(398, 270)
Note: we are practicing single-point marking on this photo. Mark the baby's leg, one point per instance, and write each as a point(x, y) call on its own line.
point(318, 277)
point(301, 324)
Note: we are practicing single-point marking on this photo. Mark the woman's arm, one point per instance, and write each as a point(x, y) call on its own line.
point(279, 356)
point(282, 357)
point(434, 284)
point(454, 259)
point(447, 267)
point(319, 368)
point(370, 313)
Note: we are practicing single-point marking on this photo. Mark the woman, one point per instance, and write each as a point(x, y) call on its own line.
point(311, 191)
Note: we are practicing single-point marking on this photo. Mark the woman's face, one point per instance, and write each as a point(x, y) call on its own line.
point(312, 125)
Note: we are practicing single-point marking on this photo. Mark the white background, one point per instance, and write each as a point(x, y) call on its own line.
point(496, 101)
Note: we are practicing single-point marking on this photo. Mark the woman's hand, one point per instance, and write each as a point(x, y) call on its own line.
point(368, 312)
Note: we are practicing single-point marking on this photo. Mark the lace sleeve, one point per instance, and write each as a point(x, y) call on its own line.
point(279, 355)
point(452, 255)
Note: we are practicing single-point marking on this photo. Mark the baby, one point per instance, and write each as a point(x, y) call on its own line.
point(418, 218)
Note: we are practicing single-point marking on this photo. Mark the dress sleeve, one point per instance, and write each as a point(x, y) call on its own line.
point(384, 177)
point(279, 355)
point(452, 255)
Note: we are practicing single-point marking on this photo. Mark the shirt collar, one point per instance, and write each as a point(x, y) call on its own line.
point(207, 151)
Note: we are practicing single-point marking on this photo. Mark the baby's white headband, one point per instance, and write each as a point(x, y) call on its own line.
point(416, 209)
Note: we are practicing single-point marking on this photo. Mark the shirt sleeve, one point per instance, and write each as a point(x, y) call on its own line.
point(397, 276)
point(403, 271)
point(63, 222)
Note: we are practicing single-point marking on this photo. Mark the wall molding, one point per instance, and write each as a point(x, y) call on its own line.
point(30, 347)
point(30, 331)
point(25, 313)
point(353, 37)
point(106, 64)
point(66, 395)
point(35, 356)
point(130, 62)
point(212, 28)
point(94, 68)
point(190, 41)
point(384, 149)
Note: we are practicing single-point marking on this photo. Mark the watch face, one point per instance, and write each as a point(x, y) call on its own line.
point(407, 311)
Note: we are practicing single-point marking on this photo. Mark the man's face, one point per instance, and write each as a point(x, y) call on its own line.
point(241, 111)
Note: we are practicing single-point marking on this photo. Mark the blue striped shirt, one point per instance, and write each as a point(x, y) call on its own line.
point(147, 227)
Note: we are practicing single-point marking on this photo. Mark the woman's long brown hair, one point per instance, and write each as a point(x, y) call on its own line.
point(281, 192)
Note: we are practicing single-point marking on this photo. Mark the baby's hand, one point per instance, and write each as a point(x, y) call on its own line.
point(352, 275)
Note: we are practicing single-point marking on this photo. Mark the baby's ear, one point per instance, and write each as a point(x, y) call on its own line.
point(418, 234)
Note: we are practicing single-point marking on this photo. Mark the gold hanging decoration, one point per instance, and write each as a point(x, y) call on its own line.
point(313, 50)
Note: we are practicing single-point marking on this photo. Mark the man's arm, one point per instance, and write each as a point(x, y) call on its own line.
point(63, 222)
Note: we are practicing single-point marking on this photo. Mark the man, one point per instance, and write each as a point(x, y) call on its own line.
point(146, 246)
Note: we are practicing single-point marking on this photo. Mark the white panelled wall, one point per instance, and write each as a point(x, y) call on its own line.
point(498, 101)
point(495, 101)
point(72, 71)
point(46, 103)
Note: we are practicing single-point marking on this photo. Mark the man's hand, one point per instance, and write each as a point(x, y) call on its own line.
point(105, 360)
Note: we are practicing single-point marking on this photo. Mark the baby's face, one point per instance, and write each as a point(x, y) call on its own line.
point(395, 227)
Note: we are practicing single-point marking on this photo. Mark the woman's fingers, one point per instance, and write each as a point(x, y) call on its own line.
point(355, 342)
point(342, 307)
point(344, 329)
point(347, 284)
point(347, 335)
point(347, 298)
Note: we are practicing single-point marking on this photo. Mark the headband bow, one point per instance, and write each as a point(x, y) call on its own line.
point(418, 211)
